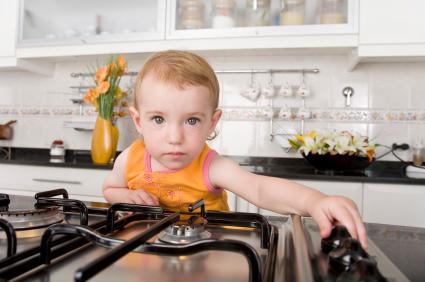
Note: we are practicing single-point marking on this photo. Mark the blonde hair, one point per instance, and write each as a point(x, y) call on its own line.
point(182, 69)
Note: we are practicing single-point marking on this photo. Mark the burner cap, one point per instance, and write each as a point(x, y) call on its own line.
point(184, 232)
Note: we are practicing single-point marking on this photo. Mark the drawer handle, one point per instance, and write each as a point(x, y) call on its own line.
point(56, 181)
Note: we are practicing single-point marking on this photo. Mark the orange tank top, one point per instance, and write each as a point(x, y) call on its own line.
point(177, 189)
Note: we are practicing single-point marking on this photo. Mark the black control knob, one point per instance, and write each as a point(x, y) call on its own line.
point(345, 256)
point(365, 270)
point(334, 240)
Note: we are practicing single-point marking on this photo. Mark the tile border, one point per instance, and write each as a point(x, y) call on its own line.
point(349, 115)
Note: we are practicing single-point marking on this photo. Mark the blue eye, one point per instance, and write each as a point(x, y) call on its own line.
point(192, 121)
point(158, 119)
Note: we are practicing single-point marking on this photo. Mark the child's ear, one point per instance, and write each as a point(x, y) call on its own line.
point(135, 116)
point(215, 118)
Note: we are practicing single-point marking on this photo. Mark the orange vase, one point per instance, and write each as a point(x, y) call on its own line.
point(102, 141)
point(115, 138)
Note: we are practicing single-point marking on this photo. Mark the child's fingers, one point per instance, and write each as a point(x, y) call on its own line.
point(324, 223)
point(345, 217)
point(361, 230)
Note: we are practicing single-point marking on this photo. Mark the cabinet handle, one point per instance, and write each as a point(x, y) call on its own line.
point(56, 181)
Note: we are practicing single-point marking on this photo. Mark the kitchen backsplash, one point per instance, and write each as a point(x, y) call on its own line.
point(388, 103)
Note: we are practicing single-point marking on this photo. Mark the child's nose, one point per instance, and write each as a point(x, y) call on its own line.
point(175, 134)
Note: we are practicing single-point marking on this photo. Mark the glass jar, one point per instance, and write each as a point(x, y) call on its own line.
point(417, 154)
point(258, 12)
point(292, 12)
point(191, 14)
point(333, 12)
point(223, 14)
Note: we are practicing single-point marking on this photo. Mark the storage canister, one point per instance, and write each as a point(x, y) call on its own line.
point(258, 13)
point(191, 14)
point(333, 11)
point(223, 14)
point(292, 12)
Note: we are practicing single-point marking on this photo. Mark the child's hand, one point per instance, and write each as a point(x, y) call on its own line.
point(140, 197)
point(328, 210)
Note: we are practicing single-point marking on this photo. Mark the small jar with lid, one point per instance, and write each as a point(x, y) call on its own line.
point(333, 11)
point(223, 14)
point(418, 153)
point(292, 12)
point(191, 14)
point(258, 13)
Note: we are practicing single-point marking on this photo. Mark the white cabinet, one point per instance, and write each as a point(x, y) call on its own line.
point(394, 204)
point(391, 28)
point(83, 184)
point(351, 190)
point(50, 28)
point(67, 28)
point(261, 24)
point(8, 28)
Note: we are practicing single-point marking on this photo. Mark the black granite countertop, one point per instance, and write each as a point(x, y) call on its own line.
point(404, 246)
point(291, 168)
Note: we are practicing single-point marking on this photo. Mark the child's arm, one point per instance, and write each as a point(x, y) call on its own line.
point(115, 188)
point(284, 196)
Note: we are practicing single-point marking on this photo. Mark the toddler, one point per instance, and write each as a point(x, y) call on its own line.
point(176, 111)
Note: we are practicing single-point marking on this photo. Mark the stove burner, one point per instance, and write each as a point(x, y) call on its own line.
point(28, 219)
point(184, 232)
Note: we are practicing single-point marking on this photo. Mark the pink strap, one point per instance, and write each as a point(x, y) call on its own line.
point(148, 167)
point(205, 171)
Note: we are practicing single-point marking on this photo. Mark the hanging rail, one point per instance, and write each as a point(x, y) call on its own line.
point(133, 73)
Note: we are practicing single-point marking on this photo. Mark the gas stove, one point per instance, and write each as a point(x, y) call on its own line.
point(77, 241)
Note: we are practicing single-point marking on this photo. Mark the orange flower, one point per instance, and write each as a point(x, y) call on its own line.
point(102, 87)
point(122, 65)
point(90, 96)
point(102, 74)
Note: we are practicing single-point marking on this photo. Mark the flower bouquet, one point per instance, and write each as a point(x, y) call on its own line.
point(107, 98)
point(335, 150)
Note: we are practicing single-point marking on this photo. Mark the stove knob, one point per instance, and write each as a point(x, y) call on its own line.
point(364, 270)
point(334, 240)
point(345, 256)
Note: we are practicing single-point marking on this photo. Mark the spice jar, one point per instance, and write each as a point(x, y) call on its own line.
point(223, 14)
point(191, 14)
point(292, 12)
point(417, 154)
point(258, 12)
point(333, 12)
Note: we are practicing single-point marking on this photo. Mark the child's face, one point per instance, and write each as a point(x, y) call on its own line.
point(174, 122)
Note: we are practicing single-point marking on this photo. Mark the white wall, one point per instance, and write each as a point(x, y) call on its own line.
point(382, 86)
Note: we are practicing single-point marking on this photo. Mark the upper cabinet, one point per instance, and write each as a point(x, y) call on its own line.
point(244, 18)
point(8, 21)
point(60, 28)
point(391, 29)
point(52, 28)
point(65, 22)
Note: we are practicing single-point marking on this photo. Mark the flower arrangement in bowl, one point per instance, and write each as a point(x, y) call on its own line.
point(335, 150)
point(108, 99)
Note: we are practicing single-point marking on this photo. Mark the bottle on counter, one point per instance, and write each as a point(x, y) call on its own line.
point(190, 14)
point(418, 154)
point(57, 152)
point(292, 12)
point(223, 14)
point(258, 13)
point(333, 12)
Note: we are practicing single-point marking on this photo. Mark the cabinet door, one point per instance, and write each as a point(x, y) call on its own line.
point(247, 18)
point(8, 23)
point(79, 22)
point(84, 184)
point(392, 21)
point(395, 204)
